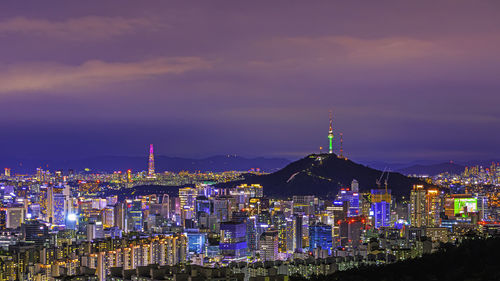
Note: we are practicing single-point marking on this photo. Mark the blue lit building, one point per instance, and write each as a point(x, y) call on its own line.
point(352, 198)
point(320, 236)
point(203, 206)
point(233, 243)
point(135, 216)
point(59, 210)
point(380, 210)
point(196, 242)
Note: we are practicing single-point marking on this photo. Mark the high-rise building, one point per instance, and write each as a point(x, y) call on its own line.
point(351, 231)
point(134, 216)
point(320, 236)
point(433, 207)
point(7, 172)
point(15, 217)
point(268, 245)
point(222, 208)
point(3, 218)
point(233, 243)
point(59, 209)
point(417, 206)
point(151, 162)
point(303, 204)
point(380, 210)
point(187, 200)
point(350, 196)
point(34, 231)
point(95, 231)
point(298, 232)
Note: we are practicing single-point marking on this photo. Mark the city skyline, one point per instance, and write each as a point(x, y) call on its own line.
point(250, 79)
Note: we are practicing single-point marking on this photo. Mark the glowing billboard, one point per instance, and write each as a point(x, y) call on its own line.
point(463, 205)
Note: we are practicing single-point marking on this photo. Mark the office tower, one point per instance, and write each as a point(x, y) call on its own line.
point(121, 216)
point(433, 207)
point(187, 198)
point(251, 235)
point(351, 230)
point(108, 216)
point(290, 235)
point(196, 242)
point(95, 231)
point(248, 191)
point(298, 232)
point(303, 205)
point(381, 207)
point(134, 216)
point(58, 209)
point(160, 209)
point(7, 172)
point(330, 135)
point(15, 217)
point(203, 207)
point(222, 208)
point(417, 206)
point(346, 195)
point(233, 243)
point(279, 223)
point(34, 231)
point(354, 186)
point(3, 218)
point(151, 162)
point(320, 236)
point(482, 207)
point(268, 245)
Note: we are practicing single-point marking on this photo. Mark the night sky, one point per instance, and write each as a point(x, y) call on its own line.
point(406, 80)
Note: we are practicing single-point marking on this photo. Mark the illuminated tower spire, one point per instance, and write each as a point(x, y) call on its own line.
point(330, 135)
point(151, 162)
point(341, 153)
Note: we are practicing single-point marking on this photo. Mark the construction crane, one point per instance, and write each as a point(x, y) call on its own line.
point(386, 180)
point(379, 181)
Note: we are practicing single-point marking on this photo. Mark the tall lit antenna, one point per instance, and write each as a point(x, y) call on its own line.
point(151, 162)
point(330, 134)
point(341, 153)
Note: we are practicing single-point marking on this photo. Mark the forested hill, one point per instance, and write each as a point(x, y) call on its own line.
point(473, 260)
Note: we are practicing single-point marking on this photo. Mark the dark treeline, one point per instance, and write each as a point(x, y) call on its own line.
point(473, 260)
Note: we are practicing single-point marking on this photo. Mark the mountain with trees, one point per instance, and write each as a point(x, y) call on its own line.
point(323, 175)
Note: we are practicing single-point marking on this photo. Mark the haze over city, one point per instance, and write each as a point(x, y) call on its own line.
point(227, 140)
point(406, 80)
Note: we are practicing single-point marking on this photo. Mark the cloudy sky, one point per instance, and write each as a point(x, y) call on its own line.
point(406, 80)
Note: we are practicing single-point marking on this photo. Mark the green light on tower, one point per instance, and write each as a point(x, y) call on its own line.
point(330, 139)
point(330, 135)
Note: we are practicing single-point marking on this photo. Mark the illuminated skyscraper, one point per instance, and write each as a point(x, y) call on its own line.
point(7, 172)
point(320, 237)
point(380, 208)
point(233, 243)
point(151, 162)
point(268, 245)
point(187, 197)
point(330, 135)
point(417, 206)
point(433, 206)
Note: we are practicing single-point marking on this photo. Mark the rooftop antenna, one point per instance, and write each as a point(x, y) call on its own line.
point(341, 154)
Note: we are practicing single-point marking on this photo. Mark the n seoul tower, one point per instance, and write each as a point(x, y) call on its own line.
point(330, 135)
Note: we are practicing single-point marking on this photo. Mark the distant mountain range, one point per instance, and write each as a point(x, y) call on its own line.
point(429, 168)
point(162, 163)
point(323, 175)
point(433, 170)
